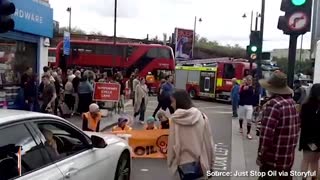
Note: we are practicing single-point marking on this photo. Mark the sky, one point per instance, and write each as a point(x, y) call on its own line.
point(222, 20)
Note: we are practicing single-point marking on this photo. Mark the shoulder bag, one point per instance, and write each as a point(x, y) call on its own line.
point(192, 170)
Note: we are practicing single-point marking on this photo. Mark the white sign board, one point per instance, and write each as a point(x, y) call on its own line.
point(298, 21)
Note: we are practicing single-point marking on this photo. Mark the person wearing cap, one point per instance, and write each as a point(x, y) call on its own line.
point(91, 119)
point(280, 126)
point(150, 123)
point(122, 125)
point(164, 120)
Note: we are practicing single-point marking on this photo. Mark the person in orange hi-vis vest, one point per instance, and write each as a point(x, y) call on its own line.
point(91, 119)
point(150, 78)
point(122, 125)
point(150, 123)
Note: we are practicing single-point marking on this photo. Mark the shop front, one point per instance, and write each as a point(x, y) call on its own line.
point(24, 48)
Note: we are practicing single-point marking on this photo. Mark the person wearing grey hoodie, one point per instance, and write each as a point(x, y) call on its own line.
point(190, 142)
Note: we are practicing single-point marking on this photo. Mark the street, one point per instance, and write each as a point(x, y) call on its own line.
point(220, 120)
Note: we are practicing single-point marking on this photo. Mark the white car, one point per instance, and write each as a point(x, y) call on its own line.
point(45, 147)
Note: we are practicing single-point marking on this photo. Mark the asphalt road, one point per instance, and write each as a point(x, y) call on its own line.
point(220, 121)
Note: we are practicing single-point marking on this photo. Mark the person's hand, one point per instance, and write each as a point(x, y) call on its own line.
point(48, 106)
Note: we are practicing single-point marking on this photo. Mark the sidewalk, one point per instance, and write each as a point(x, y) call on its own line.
point(244, 152)
point(106, 122)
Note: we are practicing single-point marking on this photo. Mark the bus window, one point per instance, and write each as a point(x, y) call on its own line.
point(159, 53)
point(161, 74)
point(229, 71)
point(108, 49)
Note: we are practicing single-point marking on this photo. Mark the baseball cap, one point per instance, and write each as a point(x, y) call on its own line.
point(150, 119)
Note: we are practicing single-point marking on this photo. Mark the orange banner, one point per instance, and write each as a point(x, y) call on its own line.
point(148, 143)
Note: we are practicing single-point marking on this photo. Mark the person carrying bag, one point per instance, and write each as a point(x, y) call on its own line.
point(190, 142)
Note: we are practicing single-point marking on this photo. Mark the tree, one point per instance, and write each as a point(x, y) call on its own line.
point(217, 50)
point(74, 30)
point(98, 33)
point(304, 67)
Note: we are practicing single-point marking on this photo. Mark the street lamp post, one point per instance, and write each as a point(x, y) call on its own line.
point(114, 34)
point(194, 33)
point(69, 10)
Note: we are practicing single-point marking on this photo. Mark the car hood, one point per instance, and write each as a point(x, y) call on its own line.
point(109, 138)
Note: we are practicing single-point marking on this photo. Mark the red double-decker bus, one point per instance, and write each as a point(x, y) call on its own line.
point(126, 57)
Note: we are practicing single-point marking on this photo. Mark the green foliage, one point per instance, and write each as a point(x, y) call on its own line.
point(74, 30)
point(213, 47)
point(304, 67)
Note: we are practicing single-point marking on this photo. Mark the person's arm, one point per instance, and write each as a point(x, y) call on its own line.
point(85, 124)
point(303, 95)
point(269, 123)
point(98, 127)
point(53, 90)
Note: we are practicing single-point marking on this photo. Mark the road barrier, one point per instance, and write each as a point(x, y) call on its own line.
point(147, 143)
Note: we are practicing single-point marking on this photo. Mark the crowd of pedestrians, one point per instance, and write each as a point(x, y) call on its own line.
point(287, 118)
point(64, 94)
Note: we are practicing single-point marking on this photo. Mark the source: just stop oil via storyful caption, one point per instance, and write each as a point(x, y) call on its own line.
point(260, 174)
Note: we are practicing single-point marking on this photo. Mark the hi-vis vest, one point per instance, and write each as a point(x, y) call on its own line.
point(92, 123)
point(150, 79)
point(119, 129)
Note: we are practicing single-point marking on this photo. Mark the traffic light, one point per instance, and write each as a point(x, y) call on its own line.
point(254, 48)
point(297, 18)
point(6, 10)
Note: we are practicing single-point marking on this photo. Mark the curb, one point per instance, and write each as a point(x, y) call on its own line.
point(238, 162)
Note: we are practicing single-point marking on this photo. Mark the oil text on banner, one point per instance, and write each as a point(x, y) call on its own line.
point(148, 143)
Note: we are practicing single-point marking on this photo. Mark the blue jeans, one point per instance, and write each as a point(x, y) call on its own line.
point(235, 106)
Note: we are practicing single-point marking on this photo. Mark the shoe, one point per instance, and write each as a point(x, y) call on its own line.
point(249, 136)
point(141, 122)
point(241, 130)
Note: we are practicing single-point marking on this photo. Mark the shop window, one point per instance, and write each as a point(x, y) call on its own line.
point(15, 58)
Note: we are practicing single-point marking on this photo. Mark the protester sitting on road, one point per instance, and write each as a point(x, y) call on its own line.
point(122, 125)
point(91, 119)
point(150, 123)
point(164, 120)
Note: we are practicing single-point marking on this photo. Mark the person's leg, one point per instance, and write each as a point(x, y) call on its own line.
point(56, 103)
point(249, 112)
point(76, 104)
point(314, 163)
point(235, 109)
point(156, 110)
point(241, 117)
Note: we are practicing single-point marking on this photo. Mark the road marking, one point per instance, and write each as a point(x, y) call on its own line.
point(144, 170)
point(221, 157)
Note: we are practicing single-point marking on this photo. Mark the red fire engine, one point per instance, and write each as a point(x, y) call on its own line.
point(211, 77)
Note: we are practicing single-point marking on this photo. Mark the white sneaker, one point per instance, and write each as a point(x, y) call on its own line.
point(141, 122)
point(249, 136)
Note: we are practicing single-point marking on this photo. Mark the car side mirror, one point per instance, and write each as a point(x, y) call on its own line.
point(98, 142)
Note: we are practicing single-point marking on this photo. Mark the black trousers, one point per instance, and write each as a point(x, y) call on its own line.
point(166, 104)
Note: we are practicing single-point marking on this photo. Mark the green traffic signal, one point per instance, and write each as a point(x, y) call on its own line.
point(298, 2)
point(254, 48)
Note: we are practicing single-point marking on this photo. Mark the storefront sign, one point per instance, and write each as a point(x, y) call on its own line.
point(106, 92)
point(33, 17)
point(148, 143)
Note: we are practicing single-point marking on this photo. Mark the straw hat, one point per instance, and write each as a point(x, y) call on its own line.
point(277, 84)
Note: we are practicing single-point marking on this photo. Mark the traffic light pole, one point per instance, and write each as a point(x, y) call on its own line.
point(292, 58)
point(114, 36)
point(259, 72)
